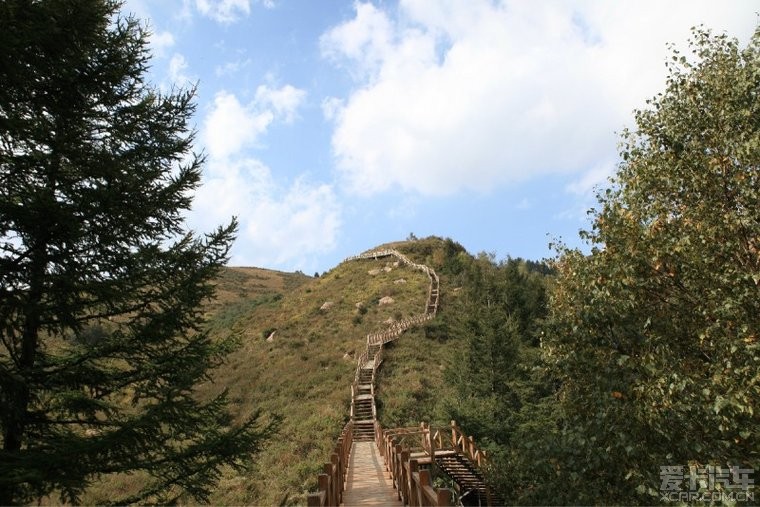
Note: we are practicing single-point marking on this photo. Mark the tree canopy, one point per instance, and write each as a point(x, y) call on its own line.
point(654, 334)
point(101, 286)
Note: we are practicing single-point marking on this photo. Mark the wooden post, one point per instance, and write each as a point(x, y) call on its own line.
point(324, 486)
point(404, 456)
point(444, 497)
point(413, 496)
point(314, 500)
point(337, 483)
point(424, 481)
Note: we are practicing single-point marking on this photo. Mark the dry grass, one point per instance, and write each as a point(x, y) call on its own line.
point(303, 374)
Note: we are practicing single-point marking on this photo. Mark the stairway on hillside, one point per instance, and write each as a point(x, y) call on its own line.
point(472, 486)
point(364, 421)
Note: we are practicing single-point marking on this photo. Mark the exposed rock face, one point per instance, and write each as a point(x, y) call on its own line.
point(373, 272)
point(387, 300)
point(387, 269)
point(400, 280)
point(326, 305)
point(270, 338)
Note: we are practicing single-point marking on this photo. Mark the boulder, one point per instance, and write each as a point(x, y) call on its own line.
point(387, 300)
point(326, 305)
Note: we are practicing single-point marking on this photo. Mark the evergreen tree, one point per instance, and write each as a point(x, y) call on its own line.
point(100, 286)
point(655, 333)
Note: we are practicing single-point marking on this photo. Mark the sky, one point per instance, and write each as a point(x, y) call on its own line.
point(333, 126)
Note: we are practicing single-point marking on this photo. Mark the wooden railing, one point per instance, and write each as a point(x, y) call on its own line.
point(395, 329)
point(413, 484)
point(416, 486)
point(333, 479)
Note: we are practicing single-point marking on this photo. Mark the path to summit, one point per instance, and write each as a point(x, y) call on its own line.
point(371, 465)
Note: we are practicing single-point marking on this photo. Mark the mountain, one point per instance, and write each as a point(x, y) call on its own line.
point(300, 337)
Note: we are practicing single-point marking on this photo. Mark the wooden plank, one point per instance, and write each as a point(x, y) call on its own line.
point(368, 483)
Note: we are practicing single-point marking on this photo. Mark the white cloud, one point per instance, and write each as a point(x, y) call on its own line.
point(591, 179)
point(230, 68)
point(331, 107)
point(365, 40)
point(224, 11)
point(160, 42)
point(280, 226)
point(177, 70)
point(231, 126)
point(472, 94)
point(283, 101)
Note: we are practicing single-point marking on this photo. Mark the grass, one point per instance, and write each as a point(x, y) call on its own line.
point(304, 372)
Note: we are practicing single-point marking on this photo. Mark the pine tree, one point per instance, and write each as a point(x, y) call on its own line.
point(100, 284)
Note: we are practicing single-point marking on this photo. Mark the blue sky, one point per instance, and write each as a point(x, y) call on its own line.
point(332, 126)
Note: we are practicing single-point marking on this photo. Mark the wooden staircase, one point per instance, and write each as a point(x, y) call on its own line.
point(471, 484)
point(407, 471)
point(364, 407)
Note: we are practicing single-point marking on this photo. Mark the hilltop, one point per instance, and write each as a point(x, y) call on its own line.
point(299, 338)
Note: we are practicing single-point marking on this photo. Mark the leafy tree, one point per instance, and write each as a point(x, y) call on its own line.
point(655, 333)
point(100, 288)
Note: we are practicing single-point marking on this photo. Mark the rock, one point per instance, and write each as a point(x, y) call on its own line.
point(400, 280)
point(373, 272)
point(347, 356)
point(387, 300)
point(359, 305)
point(326, 305)
point(396, 264)
point(387, 269)
point(270, 338)
point(389, 320)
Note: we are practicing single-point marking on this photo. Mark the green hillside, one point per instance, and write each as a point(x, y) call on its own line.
point(299, 337)
point(302, 373)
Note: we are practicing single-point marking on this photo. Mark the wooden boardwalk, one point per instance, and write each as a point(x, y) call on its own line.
point(368, 483)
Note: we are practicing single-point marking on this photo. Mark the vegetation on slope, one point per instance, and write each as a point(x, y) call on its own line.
point(303, 373)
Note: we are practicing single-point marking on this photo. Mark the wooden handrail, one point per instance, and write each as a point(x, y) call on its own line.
point(413, 485)
point(333, 479)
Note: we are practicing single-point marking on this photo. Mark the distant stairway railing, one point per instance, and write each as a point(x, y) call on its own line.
point(409, 453)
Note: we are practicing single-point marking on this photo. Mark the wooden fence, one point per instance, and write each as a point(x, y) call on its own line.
point(413, 484)
point(333, 479)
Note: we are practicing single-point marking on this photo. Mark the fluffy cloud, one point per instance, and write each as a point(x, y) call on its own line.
point(472, 94)
point(160, 42)
point(232, 126)
point(224, 11)
point(281, 225)
point(177, 70)
point(283, 101)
